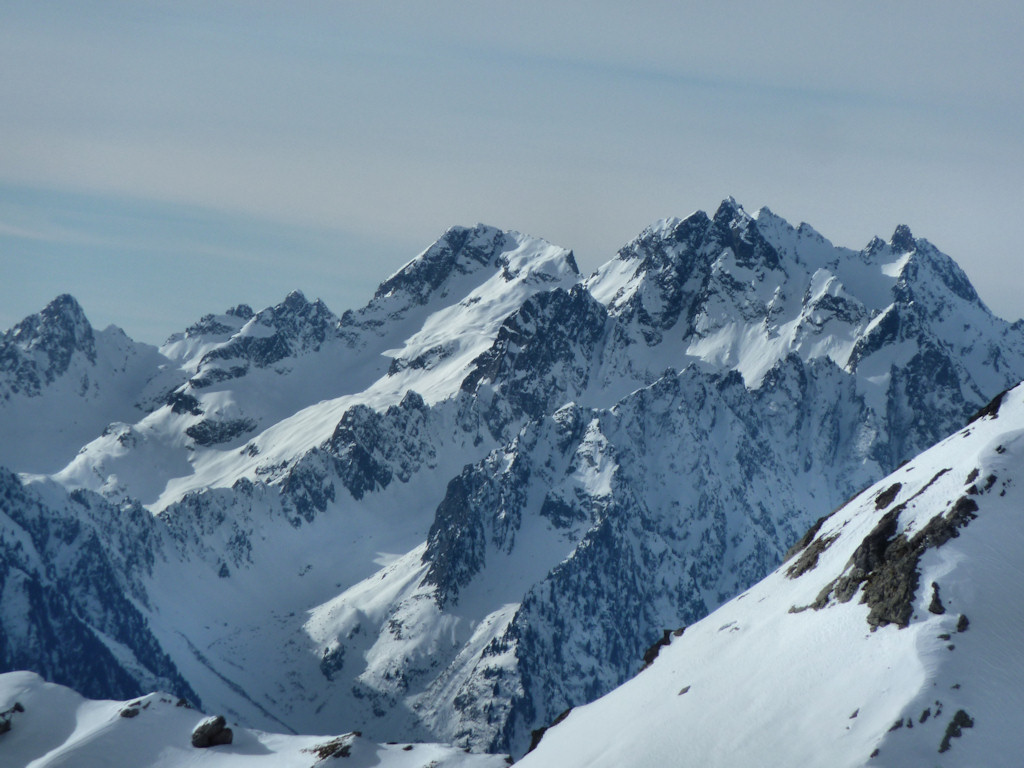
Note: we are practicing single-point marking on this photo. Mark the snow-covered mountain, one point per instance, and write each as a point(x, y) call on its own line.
point(890, 636)
point(471, 504)
point(48, 725)
point(62, 383)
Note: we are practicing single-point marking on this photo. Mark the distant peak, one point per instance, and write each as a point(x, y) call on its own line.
point(460, 250)
point(729, 209)
point(874, 246)
point(902, 240)
point(60, 329)
point(243, 311)
point(65, 303)
point(697, 218)
point(295, 300)
point(66, 312)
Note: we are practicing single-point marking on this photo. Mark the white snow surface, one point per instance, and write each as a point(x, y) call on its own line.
point(60, 728)
point(758, 683)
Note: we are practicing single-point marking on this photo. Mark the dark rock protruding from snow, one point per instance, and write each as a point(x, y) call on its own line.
point(886, 563)
point(212, 732)
point(902, 240)
point(7, 716)
point(38, 350)
point(955, 728)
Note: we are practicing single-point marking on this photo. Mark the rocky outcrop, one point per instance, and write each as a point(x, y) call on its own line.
point(212, 732)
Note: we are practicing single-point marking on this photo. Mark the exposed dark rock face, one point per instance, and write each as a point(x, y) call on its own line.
point(208, 325)
point(96, 556)
point(458, 251)
point(936, 606)
point(333, 661)
point(339, 747)
point(7, 716)
point(808, 559)
point(214, 432)
point(955, 728)
point(676, 264)
point(290, 328)
point(806, 539)
point(538, 734)
point(456, 543)
point(38, 350)
point(886, 564)
point(212, 732)
point(886, 497)
point(543, 354)
point(902, 241)
point(991, 410)
point(666, 638)
point(370, 449)
point(182, 402)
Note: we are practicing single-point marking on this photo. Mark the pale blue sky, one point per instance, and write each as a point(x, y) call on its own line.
point(161, 160)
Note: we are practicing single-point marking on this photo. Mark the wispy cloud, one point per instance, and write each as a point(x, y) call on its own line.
point(580, 122)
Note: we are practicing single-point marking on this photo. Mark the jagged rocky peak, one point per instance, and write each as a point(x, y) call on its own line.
point(292, 327)
point(295, 304)
point(287, 317)
point(650, 271)
point(926, 263)
point(695, 274)
point(673, 245)
point(734, 228)
point(661, 243)
point(58, 330)
point(296, 301)
point(40, 348)
point(294, 319)
point(464, 251)
point(902, 240)
point(243, 311)
point(460, 250)
point(213, 325)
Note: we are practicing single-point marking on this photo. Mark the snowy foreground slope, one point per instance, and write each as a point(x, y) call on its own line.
point(891, 636)
point(54, 726)
point(454, 512)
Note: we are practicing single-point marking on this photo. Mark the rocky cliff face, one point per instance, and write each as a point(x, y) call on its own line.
point(884, 638)
point(473, 503)
point(72, 591)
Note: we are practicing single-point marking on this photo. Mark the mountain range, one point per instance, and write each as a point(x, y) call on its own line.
point(475, 502)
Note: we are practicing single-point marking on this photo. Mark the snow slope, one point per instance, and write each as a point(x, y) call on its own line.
point(57, 727)
point(891, 637)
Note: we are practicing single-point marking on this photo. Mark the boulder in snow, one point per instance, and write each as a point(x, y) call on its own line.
point(211, 732)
